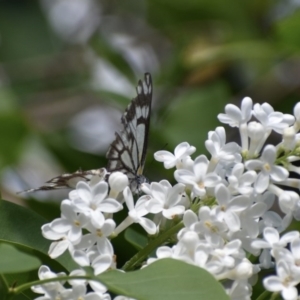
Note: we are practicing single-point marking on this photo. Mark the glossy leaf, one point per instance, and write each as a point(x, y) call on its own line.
point(163, 280)
point(12, 260)
point(135, 238)
point(21, 228)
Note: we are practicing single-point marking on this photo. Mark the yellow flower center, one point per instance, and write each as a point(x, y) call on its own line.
point(210, 226)
point(77, 223)
point(267, 167)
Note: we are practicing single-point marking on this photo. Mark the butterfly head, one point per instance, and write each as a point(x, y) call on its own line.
point(136, 182)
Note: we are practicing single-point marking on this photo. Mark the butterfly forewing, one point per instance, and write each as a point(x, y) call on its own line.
point(127, 152)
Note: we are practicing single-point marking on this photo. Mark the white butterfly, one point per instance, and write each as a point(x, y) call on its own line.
point(127, 153)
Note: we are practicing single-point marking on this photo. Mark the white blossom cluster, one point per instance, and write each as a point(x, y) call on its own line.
point(232, 205)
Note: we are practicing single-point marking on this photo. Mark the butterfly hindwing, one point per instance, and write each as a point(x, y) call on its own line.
point(69, 180)
point(127, 152)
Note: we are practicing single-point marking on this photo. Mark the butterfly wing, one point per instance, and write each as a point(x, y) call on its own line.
point(69, 180)
point(127, 153)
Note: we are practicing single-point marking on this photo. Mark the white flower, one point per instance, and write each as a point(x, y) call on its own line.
point(288, 201)
point(202, 258)
point(296, 212)
point(229, 207)
point(186, 247)
point(117, 182)
point(93, 202)
point(210, 226)
point(102, 261)
point(101, 264)
point(257, 135)
point(242, 270)
point(51, 287)
point(272, 239)
point(61, 244)
point(297, 116)
point(226, 255)
point(170, 160)
point(77, 272)
point(194, 251)
point(284, 282)
point(240, 290)
point(136, 213)
point(249, 218)
point(66, 231)
point(219, 150)
point(292, 256)
point(97, 236)
point(265, 259)
point(71, 223)
point(268, 169)
point(165, 199)
point(273, 219)
point(270, 119)
point(199, 179)
point(236, 117)
point(161, 252)
point(240, 182)
point(80, 292)
point(98, 287)
point(243, 236)
point(289, 138)
point(189, 220)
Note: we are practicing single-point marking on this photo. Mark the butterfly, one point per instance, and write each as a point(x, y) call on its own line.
point(127, 153)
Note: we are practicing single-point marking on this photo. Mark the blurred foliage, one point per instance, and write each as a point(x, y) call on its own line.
point(61, 58)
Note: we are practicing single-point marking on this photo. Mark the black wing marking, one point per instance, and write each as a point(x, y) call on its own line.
point(69, 180)
point(127, 153)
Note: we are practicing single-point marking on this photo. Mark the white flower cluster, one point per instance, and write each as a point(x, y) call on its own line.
point(56, 290)
point(237, 188)
point(226, 203)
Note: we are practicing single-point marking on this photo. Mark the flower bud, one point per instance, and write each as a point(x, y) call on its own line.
point(117, 182)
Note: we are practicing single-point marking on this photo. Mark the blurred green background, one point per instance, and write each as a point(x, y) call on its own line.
point(68, 69)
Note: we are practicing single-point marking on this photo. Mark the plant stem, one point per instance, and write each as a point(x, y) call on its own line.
point(266, 295)
point(23, 287)
point(144, 253)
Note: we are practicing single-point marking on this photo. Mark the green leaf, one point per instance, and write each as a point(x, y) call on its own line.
point(135, 238)
point(163, 280)
point(48, 209)
point(12, 260)
point(21, 228)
